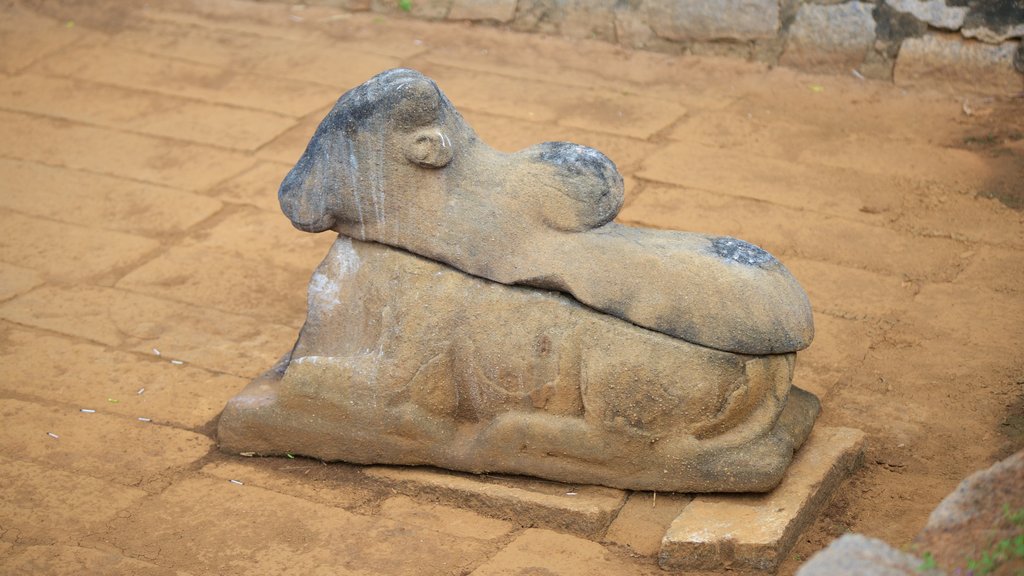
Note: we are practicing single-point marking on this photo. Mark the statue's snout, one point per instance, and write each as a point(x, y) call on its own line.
point(303, 198)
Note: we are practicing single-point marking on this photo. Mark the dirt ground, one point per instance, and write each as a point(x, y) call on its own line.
point(141, 146)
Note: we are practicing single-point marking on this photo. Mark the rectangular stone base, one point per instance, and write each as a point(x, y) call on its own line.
point(706, 532)
point(583, 510)
point(754, 532)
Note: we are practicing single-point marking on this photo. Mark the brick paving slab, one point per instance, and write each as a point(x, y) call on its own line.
point(75, 560)
point(839, 350)
point(131, 70)
point(117, 449)
point(585, 510)
point(68, 252)
point(826, 190)
point(98, 201)
point(989, 266)
point(455, 521)
point(983, 318)
point(147, 158)
point(895, 157)
point(961, 216)
point(545, 552)
point(288, 147)
point(292, 479)
point(79, 374)
point(786, 231)
point(762, 134)
point(746, 532)
point(214, 340)
point(254, 531)
point(26, 37)
point(256, 186)
point(15, 280)
point(311, 59)
point(246, 286)
point(642, 522)
point(143, 112)
point(595, 110)
point(511, 134)
point(267, 237)
point(42, 504)
point(851, 292)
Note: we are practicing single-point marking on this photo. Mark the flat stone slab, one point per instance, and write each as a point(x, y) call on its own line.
point(754, 532)
point(583, 510)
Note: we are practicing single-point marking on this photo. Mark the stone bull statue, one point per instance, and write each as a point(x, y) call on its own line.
point(480, 311)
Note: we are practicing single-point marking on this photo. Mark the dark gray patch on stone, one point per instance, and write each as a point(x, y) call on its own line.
point(577, 160)
point(993, 14)
point(893, 26)
point(742, 252)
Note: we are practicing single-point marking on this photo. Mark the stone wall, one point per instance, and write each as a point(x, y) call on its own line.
point(958, 45)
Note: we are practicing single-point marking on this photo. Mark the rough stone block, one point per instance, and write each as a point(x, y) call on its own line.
point(42, 504)
point(545, 552)
point(216, 340)
point(16, 280)
point(830, 38)
point(642, 522)
point(58, 560)
point(68, 252)
point(950, 63)
point(242, 529)
point(84, 375)
point(121, 450)
point(856, 554)
point(496, 10)
point(588, 19)
point(978, 513)
point(746, 532)
point(935, 12)
point(156, 160)
point(584, 510)
point(455, 521)
point(104, 202)
point(697, 20)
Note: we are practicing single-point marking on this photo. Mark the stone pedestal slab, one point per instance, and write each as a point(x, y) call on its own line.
point(754, 532)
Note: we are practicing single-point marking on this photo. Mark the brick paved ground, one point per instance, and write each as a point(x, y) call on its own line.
point(140, 151)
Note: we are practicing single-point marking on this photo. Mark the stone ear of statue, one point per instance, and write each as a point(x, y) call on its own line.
point(429, 148)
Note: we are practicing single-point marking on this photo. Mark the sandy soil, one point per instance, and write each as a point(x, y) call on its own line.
point(898, 210)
